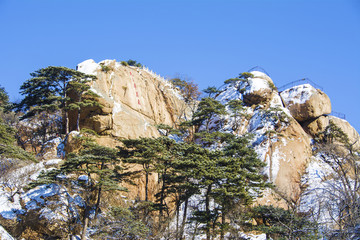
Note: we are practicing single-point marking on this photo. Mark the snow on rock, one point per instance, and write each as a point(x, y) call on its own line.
point(305, 102)
point(258, 89)
point(4, 235)
point(88, 67)
point(277, 103)
point(316, 197)
point(52, 162)
point(258, 82)
point(298, 94)
point(51, 148)
point(34, 198)
point(231, 92)
point(9, 207)
point(116, 109)
point(84, 178)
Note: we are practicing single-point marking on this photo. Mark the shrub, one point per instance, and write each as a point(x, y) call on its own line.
point(246, 75)
point(105, 68)
point(231, 80)
point(131, 62)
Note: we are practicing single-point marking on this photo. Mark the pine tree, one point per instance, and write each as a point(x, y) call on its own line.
point(143, 151)
point(240, 180)
point(278, 223)
point(181, 185)
point(101, 170)
point(211, 91)
point(48, 91)
point(237, 109)
point(8, 147)
point(208, 109)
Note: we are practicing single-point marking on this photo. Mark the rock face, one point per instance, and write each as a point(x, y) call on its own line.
point(305, 102)
point(258, 89)
point(282, 143)
point(278, 139)
point(133, 101)
point(317, 126)
point(351, 133)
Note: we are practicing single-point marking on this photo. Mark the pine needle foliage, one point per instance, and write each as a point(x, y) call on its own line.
point(48, 91)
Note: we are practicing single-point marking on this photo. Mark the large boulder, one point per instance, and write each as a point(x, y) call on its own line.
point(133, 101)
point(350, 132)
point(316, 126)
point(259, 89)
point(305, 102)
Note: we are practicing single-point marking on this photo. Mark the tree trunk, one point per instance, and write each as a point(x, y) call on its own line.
point(177, 219)
point(78, 116)
point(97, 205)
point(207, 211)
point(222, 224)
point(66, 114)
point(146, 185)
point(162, 196)
point(86, 223)
point(78, 121)
point(67, 126)
point(184, 218)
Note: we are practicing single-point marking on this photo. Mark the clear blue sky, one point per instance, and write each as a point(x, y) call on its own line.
point(209, 41)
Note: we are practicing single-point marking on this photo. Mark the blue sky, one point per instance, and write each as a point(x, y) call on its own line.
point(208, 41)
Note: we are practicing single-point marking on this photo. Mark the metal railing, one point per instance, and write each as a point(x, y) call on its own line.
point(296, 82)
point(338, 114)
point(258, 68)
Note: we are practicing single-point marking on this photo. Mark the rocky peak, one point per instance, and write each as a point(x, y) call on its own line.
point(305, 102)
point(133, 100)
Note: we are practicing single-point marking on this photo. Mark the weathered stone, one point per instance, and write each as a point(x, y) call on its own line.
point(259, 89)
point(133, 101)
point(305, 102)
point(317, 126)
point(351, 133)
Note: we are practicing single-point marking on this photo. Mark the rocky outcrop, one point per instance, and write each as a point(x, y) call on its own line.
point(133, 100)
point(305, 102)
point(259, 89)
point(282, 143)
point(317, 126)
point(352, 135)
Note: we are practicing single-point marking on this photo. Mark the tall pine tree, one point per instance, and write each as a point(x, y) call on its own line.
point(48, 91)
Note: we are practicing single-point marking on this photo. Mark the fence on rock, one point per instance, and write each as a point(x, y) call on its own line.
point(259, 69)
point(300, 81)
point(338, 114)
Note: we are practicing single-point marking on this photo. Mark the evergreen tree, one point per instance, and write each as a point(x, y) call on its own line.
point(48, 91)
point(208, 109)
point(240, 180)
point(181, 184)
point(237, 109)
point(278, 223)
point(143, 151)
point(97, 163)
point(211, 91)
point(8, 147)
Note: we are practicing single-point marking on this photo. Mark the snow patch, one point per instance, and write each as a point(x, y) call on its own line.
point(51, 162)
point(256, 84)
point(230, 93)
point(116, 109)
point(298, 94)
point(88, 67)
point(4, 235)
